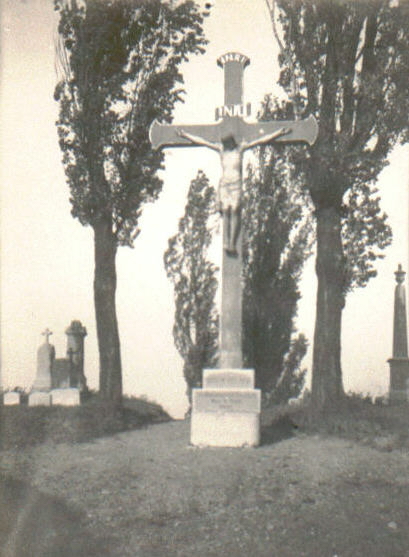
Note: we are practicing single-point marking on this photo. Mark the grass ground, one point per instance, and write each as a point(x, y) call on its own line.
point(333, 487)
point(22, 426)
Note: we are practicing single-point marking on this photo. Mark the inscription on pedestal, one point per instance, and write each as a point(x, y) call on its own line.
point(214, 401)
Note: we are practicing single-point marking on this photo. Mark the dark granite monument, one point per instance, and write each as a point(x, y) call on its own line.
point(69, 372)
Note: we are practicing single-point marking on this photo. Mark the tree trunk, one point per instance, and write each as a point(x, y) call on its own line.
point(110, 373)
point(326, 374)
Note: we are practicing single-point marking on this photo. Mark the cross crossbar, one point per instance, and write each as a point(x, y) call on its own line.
point(167, 135)
point(47, 333)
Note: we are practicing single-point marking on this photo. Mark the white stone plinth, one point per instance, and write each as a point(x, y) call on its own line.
point(39, 398)
point(225, 430)
point(65, 397)
point(225, 417)
point(11, 398)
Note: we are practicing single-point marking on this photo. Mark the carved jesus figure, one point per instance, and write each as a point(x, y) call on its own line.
point(230, 186)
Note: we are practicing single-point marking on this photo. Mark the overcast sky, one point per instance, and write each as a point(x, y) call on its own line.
point(47, 256)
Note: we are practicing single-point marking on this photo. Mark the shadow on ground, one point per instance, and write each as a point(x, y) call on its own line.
point(35, 524)
point(279, 430)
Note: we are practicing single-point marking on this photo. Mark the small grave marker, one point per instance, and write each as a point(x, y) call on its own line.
point(65, 397)
point(11, 398)
point(39, 398)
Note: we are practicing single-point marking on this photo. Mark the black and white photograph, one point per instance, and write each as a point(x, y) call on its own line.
point(204, 278)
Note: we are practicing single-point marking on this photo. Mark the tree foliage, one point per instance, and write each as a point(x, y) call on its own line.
point(365, 232)
point(277, 242)
point(120, 62)
point(195, 330)
point(350, 62)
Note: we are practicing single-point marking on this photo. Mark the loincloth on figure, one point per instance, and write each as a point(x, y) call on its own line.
point(229, 195)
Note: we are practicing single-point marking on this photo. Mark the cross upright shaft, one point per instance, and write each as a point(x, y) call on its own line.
point(215, 136)
point(230, 336)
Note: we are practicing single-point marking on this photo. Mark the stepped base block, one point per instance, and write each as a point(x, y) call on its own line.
point(11, 398)
point(228, 378)
point(225, 430)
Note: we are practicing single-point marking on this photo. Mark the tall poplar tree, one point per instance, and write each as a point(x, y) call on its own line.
point(346, 62)
point(194, 277)
point(120, 70)
point(278, 239)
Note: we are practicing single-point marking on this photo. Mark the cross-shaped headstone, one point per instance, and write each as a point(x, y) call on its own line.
point(230, 138)
point(47, 333)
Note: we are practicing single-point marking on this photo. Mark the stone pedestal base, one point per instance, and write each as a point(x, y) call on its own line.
point(399, 380)
point(11, 398)
point(65, 397)
point(39, 398)
point(226, 412)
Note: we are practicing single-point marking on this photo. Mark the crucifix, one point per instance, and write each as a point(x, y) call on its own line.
point(230, 138)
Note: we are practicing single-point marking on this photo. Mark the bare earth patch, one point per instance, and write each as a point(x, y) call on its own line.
point(148, 493)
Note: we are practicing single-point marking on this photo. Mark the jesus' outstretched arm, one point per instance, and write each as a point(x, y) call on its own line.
point(266, 138)
point(199, 140)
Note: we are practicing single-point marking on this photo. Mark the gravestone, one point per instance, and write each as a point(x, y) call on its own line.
point(65, 397)
point(228, 415)
point(11, 398)
point(39, 398)
point(76, 333)
point(45, 359)
point(69, 372)
point(399, 363)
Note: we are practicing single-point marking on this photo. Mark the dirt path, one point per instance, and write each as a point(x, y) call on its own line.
point(149, 494)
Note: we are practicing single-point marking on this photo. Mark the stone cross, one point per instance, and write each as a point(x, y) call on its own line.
point(47, 333)
point(232, 128)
